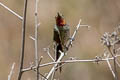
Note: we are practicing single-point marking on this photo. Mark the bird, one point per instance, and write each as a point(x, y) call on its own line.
point(61, 36)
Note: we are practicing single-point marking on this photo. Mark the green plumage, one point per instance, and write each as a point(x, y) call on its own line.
point(61, 36)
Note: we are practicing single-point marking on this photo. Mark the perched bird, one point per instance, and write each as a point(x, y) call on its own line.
point(61, 36)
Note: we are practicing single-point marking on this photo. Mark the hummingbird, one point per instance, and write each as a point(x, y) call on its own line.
point(61, 36)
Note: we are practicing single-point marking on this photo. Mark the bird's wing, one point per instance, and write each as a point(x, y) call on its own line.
point(64, 34)
point(56, 36)
point(57, 45)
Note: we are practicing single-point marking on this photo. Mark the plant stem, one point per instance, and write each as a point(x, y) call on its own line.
point(23, 41)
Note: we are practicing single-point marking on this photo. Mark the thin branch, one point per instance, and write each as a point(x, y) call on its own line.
point(23, 41)
point(110, 67)
point(37, 70)
point(11, 72)
point(53, 68)
point(36, 38)
point(69, 61)
point(48, 52)
point(74, 61)
point(36, 32)
point(40, 60)
point(74, 34)
point(53, 74)
point(40, 73)
point(39, 63)
point(44, 76)
point(14, 13)
point(37, 67)
point(60, 66)
point(118, 64)
point(114, 61)
point(32, 38)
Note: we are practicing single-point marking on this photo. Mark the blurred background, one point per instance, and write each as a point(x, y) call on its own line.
point(101, 15)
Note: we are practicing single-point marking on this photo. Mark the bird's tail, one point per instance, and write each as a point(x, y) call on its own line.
point(58, 49)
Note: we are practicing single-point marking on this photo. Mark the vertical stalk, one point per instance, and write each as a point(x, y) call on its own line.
point(23, 41)
point(115, 65)
point(114, 61)
point(36, 38)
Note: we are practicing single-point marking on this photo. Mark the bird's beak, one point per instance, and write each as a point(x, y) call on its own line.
point(58, 14)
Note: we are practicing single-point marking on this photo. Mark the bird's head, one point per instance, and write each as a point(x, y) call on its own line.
point(60, 21)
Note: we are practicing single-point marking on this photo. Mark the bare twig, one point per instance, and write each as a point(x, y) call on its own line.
point(44, 76)
point(11, 11)
point(37, 70)
point(32, 38)
point(70, 61)
point(37, 67)
point(118, 64)
point(36, 38)
point(114, 61)
point(39, 73)
point(53, 68)
point(53, 74)
point(48, 52)
point(74, 34)
point(11, 72)
point(110, 66)
point(39, 62)
point(60, 66)
point(23, 41)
